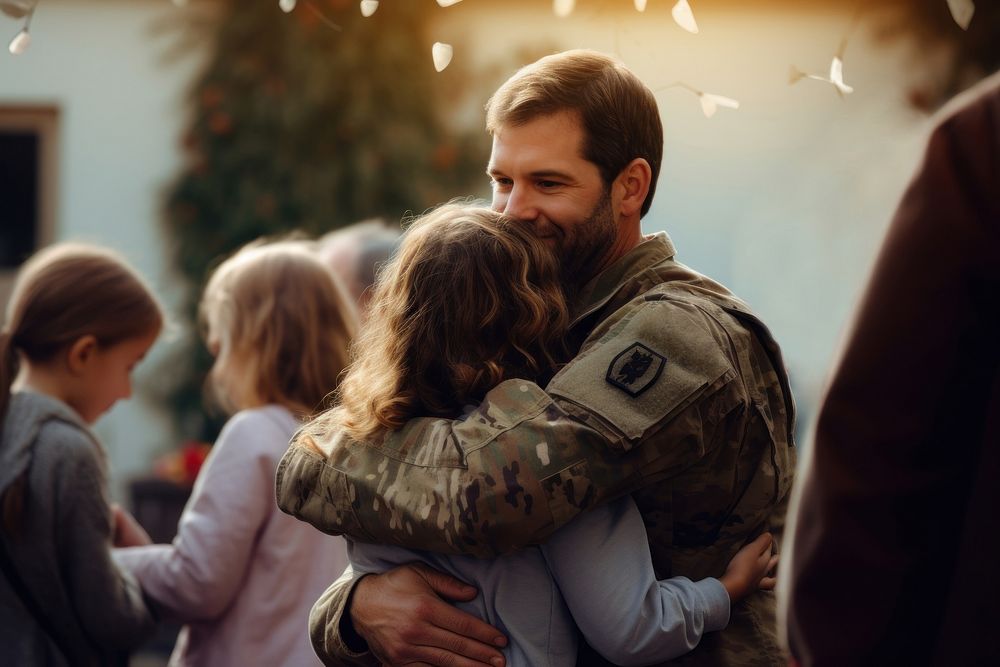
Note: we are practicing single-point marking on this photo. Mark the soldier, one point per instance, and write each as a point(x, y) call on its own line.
point(677, 395)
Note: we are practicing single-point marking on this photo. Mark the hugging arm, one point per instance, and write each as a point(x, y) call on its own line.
point(527, 460)
point(411, 622)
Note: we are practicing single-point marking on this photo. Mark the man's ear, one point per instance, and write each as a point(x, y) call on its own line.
point(80, 353)
point(632, 185)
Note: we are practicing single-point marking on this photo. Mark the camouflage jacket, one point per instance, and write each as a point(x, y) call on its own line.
point(678, 396)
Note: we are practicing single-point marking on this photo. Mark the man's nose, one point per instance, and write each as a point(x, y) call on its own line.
point(517, 204)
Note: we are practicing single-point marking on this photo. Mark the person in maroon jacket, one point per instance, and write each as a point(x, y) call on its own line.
point(897, 530)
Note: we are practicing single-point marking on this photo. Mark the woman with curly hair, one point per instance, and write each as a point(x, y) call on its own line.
point(474, 299)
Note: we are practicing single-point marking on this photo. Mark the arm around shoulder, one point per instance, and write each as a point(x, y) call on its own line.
point(527, 460)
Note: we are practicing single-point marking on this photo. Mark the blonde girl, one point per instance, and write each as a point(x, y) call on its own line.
point(474, 299)
point(240, 575)
point(77, 323)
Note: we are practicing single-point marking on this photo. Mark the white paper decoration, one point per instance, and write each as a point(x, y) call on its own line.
point(442, 54)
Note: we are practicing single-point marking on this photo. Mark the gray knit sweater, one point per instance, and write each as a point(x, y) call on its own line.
point(62, 549)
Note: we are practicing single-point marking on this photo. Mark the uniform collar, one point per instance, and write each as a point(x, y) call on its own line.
point(653, 250)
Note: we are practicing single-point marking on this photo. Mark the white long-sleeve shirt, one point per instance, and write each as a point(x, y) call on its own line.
point(596, 574)
point(240, 574)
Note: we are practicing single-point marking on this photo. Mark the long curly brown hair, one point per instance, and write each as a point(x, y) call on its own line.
point(471, 299)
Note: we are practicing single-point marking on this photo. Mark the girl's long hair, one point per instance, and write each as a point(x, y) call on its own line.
point(63, 293)
point(281, 314)
point(471, 299)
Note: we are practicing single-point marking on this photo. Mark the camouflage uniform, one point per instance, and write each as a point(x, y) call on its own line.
point(678, 396)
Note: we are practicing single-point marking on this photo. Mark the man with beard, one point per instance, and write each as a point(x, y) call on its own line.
point(677, 395)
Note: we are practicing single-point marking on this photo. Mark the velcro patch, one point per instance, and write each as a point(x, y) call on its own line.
point(635, 369)
point(627, 396)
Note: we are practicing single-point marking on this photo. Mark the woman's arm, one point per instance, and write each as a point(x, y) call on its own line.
point(602, 565)
point(199, 574)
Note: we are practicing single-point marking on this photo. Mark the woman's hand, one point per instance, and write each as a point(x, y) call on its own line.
point(128, 532)
point(752, 568)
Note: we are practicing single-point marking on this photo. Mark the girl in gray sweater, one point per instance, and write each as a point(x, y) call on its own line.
point(78, 322)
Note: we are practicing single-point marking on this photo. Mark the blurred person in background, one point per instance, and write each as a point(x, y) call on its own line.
point(356, 252)
point(241, 575)
point(897, 522)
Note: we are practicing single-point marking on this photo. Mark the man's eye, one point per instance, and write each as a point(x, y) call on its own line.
point(500, 182)
point(548, 185)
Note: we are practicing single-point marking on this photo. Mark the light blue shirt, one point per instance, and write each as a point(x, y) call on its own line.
point(595, 574)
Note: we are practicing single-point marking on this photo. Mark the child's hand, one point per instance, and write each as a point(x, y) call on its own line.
point(128, 532)
point(752, 568)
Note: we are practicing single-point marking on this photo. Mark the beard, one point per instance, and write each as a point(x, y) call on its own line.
point(582, 256)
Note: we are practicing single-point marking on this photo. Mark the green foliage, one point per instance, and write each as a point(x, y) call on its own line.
point(298, 126)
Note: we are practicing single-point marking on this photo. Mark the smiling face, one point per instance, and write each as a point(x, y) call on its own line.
point(106, 376)
point(540, 177)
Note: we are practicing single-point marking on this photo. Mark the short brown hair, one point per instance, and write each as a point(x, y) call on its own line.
point(282, 311)
point(618, 113)
point(471, 299)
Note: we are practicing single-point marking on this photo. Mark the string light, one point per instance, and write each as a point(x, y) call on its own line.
point(563, 8)
point(710, 102)
point(20, 43)
point(962, 11)
point(441, 53)
point(836, 76)
point(22, 40)
point(684, 17)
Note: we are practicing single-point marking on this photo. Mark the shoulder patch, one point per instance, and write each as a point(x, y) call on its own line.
point(644, 365)
point(635, 369)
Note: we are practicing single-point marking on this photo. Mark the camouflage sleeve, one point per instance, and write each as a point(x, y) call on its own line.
point(526, 462)
point(324, 624)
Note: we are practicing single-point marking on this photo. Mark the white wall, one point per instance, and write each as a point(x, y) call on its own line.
point(121, 117)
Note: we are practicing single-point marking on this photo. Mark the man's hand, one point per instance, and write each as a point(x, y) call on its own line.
point(752, 568)
point(404, 620)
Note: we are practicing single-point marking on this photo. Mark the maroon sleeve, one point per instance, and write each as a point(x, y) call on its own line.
point(891, 491)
